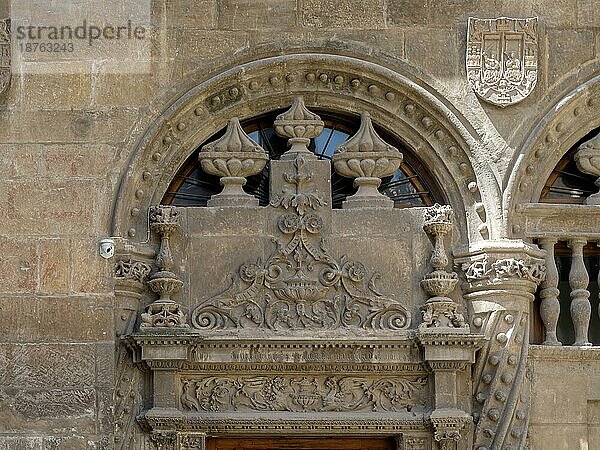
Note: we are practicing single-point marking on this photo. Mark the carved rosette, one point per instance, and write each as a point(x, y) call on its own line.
point(588, 161)
point(233, 157)
point(164, 312)
point(367, 158)
point(440, 310)
point(299, 126)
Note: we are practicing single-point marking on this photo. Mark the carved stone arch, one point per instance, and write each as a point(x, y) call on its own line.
point(440, 137)
point(566, 122)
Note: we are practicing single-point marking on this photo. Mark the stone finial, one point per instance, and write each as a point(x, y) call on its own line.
point(440, 310)
point(233, 157)
point(299, 126)
point(164, 312)
point(588, 161)
point(367, 158)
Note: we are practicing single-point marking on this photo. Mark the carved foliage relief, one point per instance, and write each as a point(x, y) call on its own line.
point(301, 285)
point(302, 393)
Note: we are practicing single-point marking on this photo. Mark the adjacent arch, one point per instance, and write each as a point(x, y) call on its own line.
point(441, 138)
point(561, 127)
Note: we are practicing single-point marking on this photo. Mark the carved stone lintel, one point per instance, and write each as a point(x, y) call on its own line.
point(302, 393)
point(367, 158)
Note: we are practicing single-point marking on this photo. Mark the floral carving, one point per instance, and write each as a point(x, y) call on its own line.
point(301, 285)
point(128, 269)
point(482, 270)
point(302, 394)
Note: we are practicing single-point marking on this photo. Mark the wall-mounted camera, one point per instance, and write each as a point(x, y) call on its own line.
point(107, 248)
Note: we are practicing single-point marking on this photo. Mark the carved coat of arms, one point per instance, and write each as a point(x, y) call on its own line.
point(4, 54)
point(502, 58)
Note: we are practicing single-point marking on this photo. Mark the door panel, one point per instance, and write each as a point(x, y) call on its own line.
point(300, 444)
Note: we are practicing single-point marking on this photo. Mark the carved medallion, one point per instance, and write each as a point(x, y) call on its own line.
point(4, 54)
point(502, 58)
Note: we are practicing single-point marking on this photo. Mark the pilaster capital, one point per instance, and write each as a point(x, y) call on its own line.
point(507, 266)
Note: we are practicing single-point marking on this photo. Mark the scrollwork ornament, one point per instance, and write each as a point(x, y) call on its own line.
point(302, 394)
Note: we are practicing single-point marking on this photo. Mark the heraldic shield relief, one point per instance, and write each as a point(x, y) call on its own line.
point(502, 58)
point(4, 54)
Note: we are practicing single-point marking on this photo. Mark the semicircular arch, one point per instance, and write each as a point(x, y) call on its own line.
point(440, 137)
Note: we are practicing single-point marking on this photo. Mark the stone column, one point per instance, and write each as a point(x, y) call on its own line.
point(500, 279)
point(131, 271)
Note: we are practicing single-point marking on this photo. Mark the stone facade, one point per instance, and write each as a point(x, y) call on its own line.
point(369, 320)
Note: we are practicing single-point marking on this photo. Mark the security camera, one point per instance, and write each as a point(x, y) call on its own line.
point(107, 248)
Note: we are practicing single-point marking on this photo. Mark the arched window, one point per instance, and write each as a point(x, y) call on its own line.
point(566, 183)
point(411, 185)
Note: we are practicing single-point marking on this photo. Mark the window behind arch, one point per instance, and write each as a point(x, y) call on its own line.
point(566, 183)
point(411, 185)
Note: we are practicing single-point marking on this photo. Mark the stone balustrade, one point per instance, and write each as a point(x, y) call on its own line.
point(573, 267)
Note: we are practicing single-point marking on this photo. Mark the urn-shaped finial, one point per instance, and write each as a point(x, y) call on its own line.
point(588, 161)
point(233, 157)
point(367, 158)
point(299, 126)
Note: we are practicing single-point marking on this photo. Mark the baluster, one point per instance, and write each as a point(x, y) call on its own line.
point(550, 307)
point(581, 309)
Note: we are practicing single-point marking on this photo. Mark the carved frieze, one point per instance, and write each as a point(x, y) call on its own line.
point(5, 54)
point(502, 58)
point(505, 268)
point(301, 393)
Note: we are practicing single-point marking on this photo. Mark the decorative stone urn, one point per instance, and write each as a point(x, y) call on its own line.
point(164, 312)
point(233, 157)
point(588, 161)
point(440, 310)
point(299, 126)
point(367, 158)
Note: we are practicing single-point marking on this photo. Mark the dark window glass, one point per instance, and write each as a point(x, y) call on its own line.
point(567, 184)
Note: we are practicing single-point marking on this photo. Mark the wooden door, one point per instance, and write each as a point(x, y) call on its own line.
point(289, 443)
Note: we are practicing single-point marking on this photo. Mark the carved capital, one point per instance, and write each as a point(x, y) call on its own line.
point(502, 265)
point(164, 440)
point(129, 269)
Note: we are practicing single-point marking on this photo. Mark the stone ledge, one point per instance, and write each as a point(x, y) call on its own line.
point(564, 353)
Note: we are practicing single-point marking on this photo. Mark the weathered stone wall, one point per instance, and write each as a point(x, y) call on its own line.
point(65, 141)
point(566, 399)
